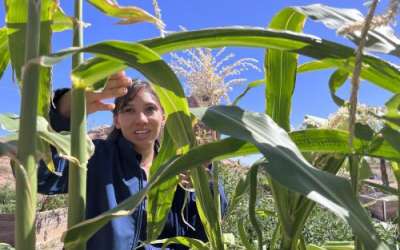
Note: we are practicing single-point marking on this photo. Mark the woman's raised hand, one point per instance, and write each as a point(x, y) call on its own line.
point(116, 86)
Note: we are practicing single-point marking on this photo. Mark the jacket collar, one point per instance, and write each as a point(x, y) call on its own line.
point(127, 150)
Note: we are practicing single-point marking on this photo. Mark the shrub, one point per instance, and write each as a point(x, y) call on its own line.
point(321, 226)
point(44, 203)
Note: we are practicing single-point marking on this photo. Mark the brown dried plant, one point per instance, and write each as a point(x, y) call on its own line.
point(384, 19)
point(355, 79)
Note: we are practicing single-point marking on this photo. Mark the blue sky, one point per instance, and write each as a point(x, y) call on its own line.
point(311, 94)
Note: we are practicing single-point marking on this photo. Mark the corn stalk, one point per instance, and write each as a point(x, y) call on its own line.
point(355, 84)
point(355, 80)
point(25, 169)
point(77, 172)
point(281, 72)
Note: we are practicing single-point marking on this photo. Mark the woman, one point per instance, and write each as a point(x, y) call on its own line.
point(120, 165)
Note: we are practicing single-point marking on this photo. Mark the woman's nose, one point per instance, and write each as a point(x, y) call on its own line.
point(141, 118)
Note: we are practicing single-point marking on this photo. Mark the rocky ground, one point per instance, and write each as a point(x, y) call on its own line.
point(6, 176)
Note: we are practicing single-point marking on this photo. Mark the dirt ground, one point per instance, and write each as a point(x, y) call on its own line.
point(6, 176)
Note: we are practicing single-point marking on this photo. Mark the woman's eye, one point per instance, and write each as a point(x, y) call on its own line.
point(127, 110)
point(150, 109)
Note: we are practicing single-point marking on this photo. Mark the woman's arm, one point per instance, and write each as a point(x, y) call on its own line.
point(57, 182)
point(116, 86)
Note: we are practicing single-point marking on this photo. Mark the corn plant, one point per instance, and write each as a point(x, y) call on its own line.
point(77, 173)
point(26, 169)
point(238, 36)
point(45, 17)
point(296, 184)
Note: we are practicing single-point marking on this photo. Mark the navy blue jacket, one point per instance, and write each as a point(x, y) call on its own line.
point(114, 175)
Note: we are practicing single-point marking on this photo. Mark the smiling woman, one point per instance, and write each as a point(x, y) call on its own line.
point(120, 165)
point(139, 117)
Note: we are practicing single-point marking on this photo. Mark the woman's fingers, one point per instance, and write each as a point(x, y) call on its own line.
point(118, 75)
point(106, 94)
point(100, 106)
point(116, 86)
point(185, 181)
point(118, 80)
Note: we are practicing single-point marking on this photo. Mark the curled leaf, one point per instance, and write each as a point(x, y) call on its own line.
point(127, 14)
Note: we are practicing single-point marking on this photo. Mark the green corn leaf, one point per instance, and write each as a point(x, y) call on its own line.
point(127, 14)
point(81, 232)
point(318, 141)
point(393, 105)
point(252, 203)
point(396, 170)
point(314, 247)
point(265, 213)
point(313, 66)
point(333, 192)
point(383, 188)
point(337, 79)
point(276, 235)
point(9, 122)
point(151, 65)
point(392, 117)
point(243, 235)
point(280, 74)
point(94, 72)
point(185, 241)
point(4, 52)
point(306, 67)
point(8, 147)
point(160, 197)
point(62, 22)
point(330, 163)
point(16, 21)
point(339, 245)
point(251, 85)
point(46, 135)
point(334, 141)
point(364, 131)
point(380, 39)
point(392, 136)
point(365, 170)
point(376, 71)
point(280, 70)
point(5, 246)
point(61, 141)
point(206, 207)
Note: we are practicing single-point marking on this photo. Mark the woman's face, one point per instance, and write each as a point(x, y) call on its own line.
point(140, 121)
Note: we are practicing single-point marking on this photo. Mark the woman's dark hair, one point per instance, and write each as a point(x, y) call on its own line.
point(122, 101)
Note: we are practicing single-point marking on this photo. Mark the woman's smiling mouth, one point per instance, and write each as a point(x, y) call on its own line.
point(145, 131)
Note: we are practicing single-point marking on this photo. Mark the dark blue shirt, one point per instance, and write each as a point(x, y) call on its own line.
point(114, 174)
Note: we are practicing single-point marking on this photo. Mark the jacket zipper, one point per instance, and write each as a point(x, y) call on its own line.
point(140, 214)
